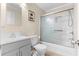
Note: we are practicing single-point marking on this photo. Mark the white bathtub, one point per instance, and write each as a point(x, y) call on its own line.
point(66, 51)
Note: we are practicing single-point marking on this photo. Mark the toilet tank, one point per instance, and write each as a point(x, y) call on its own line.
point(35, 40)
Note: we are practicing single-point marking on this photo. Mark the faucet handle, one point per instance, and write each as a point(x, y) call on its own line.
point(75, 42)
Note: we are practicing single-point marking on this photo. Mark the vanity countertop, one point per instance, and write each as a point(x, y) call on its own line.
point(10, 40)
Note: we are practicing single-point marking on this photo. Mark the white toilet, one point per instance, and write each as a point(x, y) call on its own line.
point(40, 49)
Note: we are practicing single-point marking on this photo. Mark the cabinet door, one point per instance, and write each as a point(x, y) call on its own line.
point(12, 53)
point(25, 51)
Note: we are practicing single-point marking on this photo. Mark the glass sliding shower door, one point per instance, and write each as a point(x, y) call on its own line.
point(58, 28)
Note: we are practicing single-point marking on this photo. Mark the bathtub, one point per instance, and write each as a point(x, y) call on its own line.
point(62, 50)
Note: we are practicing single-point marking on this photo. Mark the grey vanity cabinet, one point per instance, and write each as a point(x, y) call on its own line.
point(24, 51)
point(12, 53)
point(19, 48)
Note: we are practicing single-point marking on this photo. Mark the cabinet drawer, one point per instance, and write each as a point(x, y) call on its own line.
point(12, 53)
point(25, 51)
point(11, 46)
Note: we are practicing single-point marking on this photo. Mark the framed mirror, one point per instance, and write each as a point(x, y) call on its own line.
point(13, 14)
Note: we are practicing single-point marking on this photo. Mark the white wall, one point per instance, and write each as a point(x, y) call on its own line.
point(30, 27)
point(27, 27)
point(77, 24)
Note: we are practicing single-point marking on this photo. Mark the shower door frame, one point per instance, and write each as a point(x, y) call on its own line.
point(64, 8)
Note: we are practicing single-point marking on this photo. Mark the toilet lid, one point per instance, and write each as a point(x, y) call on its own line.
point(40, 46)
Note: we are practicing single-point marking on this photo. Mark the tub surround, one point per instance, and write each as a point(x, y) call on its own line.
point(52, 53)
point(59, 50)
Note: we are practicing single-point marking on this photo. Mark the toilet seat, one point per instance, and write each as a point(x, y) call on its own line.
point(40, 49)
point(40, 46)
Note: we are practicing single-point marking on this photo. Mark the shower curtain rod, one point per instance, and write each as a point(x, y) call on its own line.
point(50, 13)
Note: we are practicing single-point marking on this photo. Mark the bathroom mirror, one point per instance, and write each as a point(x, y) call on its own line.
point(13, 14)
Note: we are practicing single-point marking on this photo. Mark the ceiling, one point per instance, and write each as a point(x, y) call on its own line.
point(48, 6)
